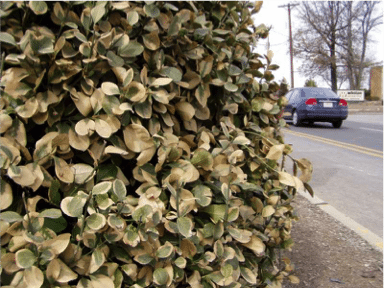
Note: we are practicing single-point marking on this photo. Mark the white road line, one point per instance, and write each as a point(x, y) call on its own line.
point(366, 234)
point(371, 129)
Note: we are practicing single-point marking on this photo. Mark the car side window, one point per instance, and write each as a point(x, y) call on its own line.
point(289, 95)
point(295, 95)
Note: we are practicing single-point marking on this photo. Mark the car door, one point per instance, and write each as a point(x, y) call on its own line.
point(288, 108)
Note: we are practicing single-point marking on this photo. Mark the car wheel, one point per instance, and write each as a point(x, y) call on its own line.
point(296, 119)
point(337, 124)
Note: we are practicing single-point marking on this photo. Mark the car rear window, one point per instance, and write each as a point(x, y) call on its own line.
point(318, 93)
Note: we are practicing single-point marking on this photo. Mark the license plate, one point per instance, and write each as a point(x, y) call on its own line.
point(327, 104)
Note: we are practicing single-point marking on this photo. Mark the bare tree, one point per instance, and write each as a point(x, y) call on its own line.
point(316, 40)
point(333, 40)
point(361, 19)
point(319, 67)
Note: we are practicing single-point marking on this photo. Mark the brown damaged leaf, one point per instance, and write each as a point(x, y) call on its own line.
point(137, 138)
point(152, 40)
point(63, 171)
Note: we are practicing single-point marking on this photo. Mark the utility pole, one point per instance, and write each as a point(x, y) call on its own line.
point(290, 39)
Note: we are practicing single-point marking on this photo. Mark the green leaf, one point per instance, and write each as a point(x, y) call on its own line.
point(250, 187)
point(174, 27)
point(273, 67)
point(102, 188)
point(81, 37)
point(143, 259)
point(128, 77)
point(57, 225)
point(116, 222)
point(10, 217)
point(140, 214)
point(114, 60)
point(172, 72)
point(82, 172)
point(264, 87)
point(231, 87)
point(287, 243)
point(233, 214)
point(217, 212)
point(203, 195)
point(97, 12)
point(160, 276)
point(132, 17)
point(152, 10)
point(165, 251)
point(248, 275)
point(243, 236)
point(38, 7)
point(25, 258)
point(226, 270)
point(53, 192)
point(73, 206)
point(256, 104)
point(202, 158)
point(42, 44)
point(96, 221)
point(7, 38)
point(106, 172)
point(208, 230)
point(131, 236)
point(98, 258)
point(50, 213)
point(309, 189)
point(132, 49)
point(119, 190)
point(185, 225)
point(181, 262)
point(218, 231)
point(264, 118)
point(233, 70)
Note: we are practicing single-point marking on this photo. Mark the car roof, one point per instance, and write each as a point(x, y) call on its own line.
point(317, 91)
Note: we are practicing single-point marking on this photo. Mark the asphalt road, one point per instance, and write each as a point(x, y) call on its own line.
point(348, 165)
point(360, 129)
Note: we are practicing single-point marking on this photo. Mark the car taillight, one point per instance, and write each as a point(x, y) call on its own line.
point(311, 101)
point(343, 102)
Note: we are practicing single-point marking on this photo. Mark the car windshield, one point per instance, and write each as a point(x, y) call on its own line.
point(318, 93)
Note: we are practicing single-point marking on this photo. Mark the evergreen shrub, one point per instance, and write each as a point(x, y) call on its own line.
point(140, 146)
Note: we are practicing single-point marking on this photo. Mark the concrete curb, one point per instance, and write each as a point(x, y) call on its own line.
point(367, 235)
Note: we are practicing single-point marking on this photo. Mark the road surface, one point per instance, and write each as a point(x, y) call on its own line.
point(348, 165)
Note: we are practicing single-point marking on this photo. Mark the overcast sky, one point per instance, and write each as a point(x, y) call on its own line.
point(271, 15)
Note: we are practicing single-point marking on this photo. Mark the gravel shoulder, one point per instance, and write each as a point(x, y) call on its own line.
point(326, 254)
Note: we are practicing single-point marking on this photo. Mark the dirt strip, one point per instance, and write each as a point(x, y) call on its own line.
point(326, 254)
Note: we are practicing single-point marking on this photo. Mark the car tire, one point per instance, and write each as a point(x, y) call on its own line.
point(296, 119)
point(337, 124)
